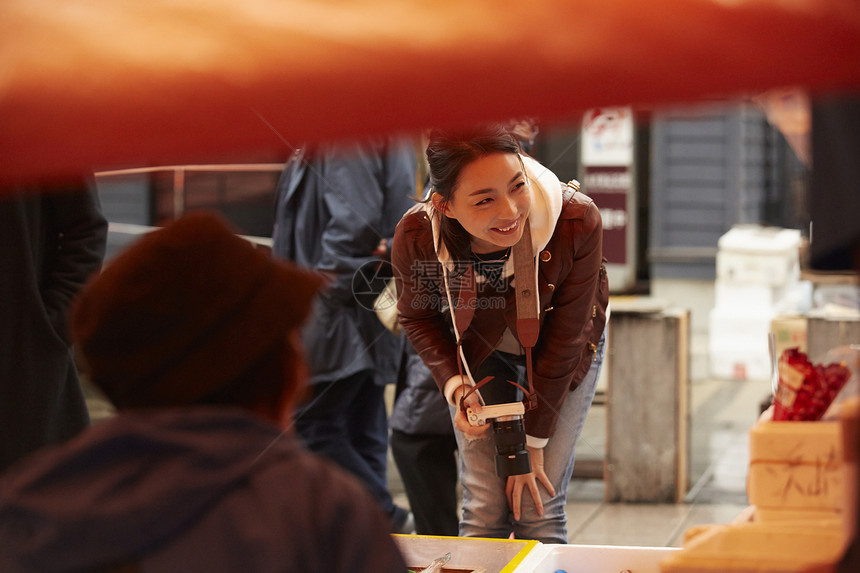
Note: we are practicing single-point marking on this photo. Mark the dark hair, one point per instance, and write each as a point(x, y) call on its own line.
point(448, 152)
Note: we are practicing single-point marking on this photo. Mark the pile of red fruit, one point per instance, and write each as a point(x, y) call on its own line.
point(805, 390)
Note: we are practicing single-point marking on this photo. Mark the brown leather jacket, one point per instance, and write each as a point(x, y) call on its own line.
point(574, 293)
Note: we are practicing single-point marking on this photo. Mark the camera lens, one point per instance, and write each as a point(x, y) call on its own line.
point(512, 457)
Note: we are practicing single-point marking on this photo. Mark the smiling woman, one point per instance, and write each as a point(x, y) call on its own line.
point(492, 212)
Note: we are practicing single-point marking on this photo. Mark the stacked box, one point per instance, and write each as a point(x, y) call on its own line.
point(802, 481)
point(757, 548)
point(738, 343)
point(757, 268)
point(756, 255)
point(796, 471)
point(789, 332)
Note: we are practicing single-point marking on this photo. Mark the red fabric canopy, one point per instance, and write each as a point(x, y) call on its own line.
point(87, 85)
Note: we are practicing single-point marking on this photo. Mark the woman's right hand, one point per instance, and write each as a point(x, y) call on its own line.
point(460, 421)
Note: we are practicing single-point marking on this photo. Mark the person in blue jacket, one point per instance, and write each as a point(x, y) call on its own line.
point(336, 206)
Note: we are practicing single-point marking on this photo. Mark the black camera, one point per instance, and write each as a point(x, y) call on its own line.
point(512, 457)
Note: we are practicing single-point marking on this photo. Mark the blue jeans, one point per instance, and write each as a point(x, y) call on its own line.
point(485, 507)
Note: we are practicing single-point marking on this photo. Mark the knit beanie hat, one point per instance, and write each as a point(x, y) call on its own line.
point(183, 311)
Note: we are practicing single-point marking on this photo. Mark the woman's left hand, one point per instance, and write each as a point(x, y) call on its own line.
point(516, 484)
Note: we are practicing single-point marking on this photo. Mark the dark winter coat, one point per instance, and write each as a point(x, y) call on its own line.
point(419, 407)
point(334, 206)
point(50, 243)
point(197, 489)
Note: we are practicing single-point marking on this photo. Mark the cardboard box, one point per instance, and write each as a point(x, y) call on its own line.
point(756, 548)
point(796, 465)
point(790, 332)
point(799, 517)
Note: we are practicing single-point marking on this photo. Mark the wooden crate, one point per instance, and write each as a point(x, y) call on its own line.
point(647, 453)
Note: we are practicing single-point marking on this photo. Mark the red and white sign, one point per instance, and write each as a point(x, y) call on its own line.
point(610, 189)
point(607, 177)
point(607, 136)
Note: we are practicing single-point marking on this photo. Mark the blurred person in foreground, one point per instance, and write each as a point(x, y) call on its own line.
point(200, 469)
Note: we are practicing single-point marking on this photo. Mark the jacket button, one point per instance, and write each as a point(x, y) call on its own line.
point(545, 256)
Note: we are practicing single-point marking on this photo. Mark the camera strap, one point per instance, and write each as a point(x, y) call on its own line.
point(461, 317)
point(528, 305)
point(528, 315)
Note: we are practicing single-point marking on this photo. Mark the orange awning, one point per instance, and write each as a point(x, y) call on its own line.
point(97, 84)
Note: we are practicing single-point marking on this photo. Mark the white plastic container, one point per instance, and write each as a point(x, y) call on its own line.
point(730, 295)
point(733, 327)
point(737, 341)
point(738, 363)
point(594, 559)
point(750, 254)
point(468, 553)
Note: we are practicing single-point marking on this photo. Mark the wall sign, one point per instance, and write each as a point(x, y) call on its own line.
point(608, 178)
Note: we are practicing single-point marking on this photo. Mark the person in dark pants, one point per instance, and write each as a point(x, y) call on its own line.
point(336, 205)
point(51, 241)
point(424, 448)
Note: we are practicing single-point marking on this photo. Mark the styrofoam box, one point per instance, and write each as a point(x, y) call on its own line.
point(759, 255)
point(738, 363)
point(470, 553)
point(756, 239)
point(796, 465)
point(737, 344)
point(734, 296)
point(744, 327)
point(757, 269)
point(594, 559)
